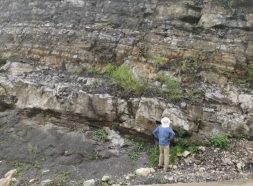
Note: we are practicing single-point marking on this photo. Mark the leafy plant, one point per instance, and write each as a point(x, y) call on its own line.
point(190, 65)
point(249, 72)
point(134, 155)
point(159, 60)
point(194, 95)
point(173, 86)
point(124, 78)
point(139, 148)
point(153, 155)
point(32, 150)
point(105, 184)
point(21, 167)
point(109, 69)
point(174, 152)
point(233, 3)
point(220, 140)
point(184, 144)
point(100, 134)
point(235, 78)
point(93, 70)
point(61, 179)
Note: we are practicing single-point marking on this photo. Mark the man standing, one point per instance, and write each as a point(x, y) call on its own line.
point(164, 134)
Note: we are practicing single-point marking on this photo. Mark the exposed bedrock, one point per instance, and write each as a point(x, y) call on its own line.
point(205, 45)
point(61, 98)
point(85, 31)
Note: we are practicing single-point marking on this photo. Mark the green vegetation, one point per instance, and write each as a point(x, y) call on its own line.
point(93, 70)
point(159, 60)
point(105, 184)
point(32, 150)
point(235, 78)
point(173, 86)
point(180, 145)
point(190, 65)
point(220, 140)
point(123, 77)
point(109, 69)
point(194, 95)
point(100, 134)
point(134, 155)
point(174, 152)
point(153, 156)
point(233, 3)
point(21, 167)
point(184, 144)
point(241, 78)
point(61, 179)
point(249, 72)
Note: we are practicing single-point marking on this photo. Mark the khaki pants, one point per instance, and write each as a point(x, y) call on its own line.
point(164, 156)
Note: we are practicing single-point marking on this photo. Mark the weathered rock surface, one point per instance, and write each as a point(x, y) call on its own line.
point(93, 101)
point(47, 94)
point(82, 31)
point(6, 181)
point(74, 36)
point(49, 154)
point(144, 171)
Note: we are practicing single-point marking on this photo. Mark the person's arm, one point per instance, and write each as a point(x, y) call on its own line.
point(155, 133)
point(172, 135)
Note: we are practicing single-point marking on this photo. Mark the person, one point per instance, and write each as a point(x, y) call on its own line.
point(164, 134)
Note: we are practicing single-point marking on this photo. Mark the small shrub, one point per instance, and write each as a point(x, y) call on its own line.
point(173, 86)
point(93, 70)
point(21, 167)
point(100, 134)
point(109, 69)
point(159, 60)
point(190, 65)
point(154, 156)
point(183, 144)
point(174, 152)
point(194, 95)
point(139, 148)
point(125, 78)
point(249, 73)
point(232, 3)
point(105, 184)
point(235, 78)
point(135, 155)
point(220, 140)
point(61, 179)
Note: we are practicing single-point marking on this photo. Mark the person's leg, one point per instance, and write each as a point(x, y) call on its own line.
point(161, 156)
point(166, 157)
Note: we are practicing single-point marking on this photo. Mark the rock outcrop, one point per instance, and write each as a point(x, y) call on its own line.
point(82, 31)
point(45, 94)
point(206, 45)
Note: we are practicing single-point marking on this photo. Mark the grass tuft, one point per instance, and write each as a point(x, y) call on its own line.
point(220, 141)
point(125, 78)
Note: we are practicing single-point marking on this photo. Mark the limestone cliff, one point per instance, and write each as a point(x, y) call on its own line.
point(206, 45)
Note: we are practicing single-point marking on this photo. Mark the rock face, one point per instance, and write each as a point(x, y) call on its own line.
point(206, 45)
point(53, 96)
point(100, 32)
